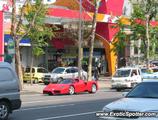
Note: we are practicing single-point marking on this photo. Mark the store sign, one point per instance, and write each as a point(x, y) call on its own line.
point(1, 37)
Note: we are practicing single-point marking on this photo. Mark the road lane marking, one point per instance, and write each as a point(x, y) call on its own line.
point(42, 101)
point(66, 116)
point(38, 108)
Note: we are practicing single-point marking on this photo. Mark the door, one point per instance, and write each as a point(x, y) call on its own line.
point(74, 72)
point(68, 73)
point(8, 83)
point(135, 75)
point(80, 86)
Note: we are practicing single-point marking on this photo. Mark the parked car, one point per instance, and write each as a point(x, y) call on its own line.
point(9, 90)
point(37, 74)
point(60, 73)
point(71, 86)
point(141, 99)
point(126, 77)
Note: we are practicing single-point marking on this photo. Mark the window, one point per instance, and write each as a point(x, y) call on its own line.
point(6, 74)
point(134, 72)
point(74, 70)
point(135, 50)
point(28, 70)
point(40, 70)
point(58, 70)
point(68, 71)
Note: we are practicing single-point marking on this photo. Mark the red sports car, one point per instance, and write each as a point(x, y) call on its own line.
point(71, 86)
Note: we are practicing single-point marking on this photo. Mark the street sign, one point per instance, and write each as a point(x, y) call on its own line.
point(1, 37)
point(11, 46)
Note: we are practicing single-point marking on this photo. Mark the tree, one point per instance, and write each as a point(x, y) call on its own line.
point(92, 37)
point(19, 31)
point(39, 33)
point(144, 12)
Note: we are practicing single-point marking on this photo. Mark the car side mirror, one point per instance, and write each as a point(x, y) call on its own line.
point(124, 94)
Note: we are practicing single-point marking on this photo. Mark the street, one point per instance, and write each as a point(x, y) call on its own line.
point(63, 107)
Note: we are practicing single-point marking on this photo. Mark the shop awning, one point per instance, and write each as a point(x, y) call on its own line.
point(61, 43)
point(67, 14)
point(61, 15)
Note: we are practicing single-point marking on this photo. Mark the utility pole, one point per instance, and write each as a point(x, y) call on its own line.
point(80, 41)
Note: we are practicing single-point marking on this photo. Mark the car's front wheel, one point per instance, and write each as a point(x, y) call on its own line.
point(118, 89)
point(71, 90)
point(4, 111)
point(35, 81)
point(93, 89)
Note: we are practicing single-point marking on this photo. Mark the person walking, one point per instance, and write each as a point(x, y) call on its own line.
point(96, 74)
point(99, 66)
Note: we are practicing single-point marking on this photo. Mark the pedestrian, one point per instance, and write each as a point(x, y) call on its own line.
point(99, 66)
point(95, 74)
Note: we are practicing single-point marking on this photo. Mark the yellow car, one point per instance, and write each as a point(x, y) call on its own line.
point(37, 74)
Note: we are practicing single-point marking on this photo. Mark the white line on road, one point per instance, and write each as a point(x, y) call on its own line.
point(38, 108)
point(43, 101)
point(65, 116)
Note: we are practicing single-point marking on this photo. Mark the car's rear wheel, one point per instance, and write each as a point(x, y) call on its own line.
point(35, 81)
point(4, 111)
point(93, 89)
point(118, 89)
point(71, 90)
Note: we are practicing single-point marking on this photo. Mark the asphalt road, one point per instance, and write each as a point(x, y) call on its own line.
point(63, 107)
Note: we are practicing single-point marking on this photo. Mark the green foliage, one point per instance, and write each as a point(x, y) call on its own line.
point(121, 37)
point(39, 33)
point(138, 27)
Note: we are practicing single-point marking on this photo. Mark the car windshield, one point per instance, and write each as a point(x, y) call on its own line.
point(145, 90)
point(122, 73)
point(58, 70)
point(66, 81)
point(28, 70)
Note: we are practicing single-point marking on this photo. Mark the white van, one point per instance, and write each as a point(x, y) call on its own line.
point(9, 90)
point(125, 78)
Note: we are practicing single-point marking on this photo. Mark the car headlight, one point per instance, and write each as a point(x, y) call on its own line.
point(105, 109)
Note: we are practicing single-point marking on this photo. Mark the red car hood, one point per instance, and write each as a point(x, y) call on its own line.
point(56, 86)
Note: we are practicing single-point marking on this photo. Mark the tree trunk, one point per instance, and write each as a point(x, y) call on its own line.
point(31, 71)
point(79, 42)
point(18, 65)
point(94, 23)
point(148, 41)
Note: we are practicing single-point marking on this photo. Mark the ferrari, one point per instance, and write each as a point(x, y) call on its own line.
point(71, 86)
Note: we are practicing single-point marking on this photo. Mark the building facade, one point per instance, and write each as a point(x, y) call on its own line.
point(62, 12)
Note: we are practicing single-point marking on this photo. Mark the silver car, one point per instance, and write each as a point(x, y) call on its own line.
point(141, 103)
point(9, 90)
point(60, 73)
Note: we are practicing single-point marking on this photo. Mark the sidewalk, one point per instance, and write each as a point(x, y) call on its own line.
point(103, 83)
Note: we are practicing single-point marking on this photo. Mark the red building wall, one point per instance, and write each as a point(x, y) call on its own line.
point(1, 36)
